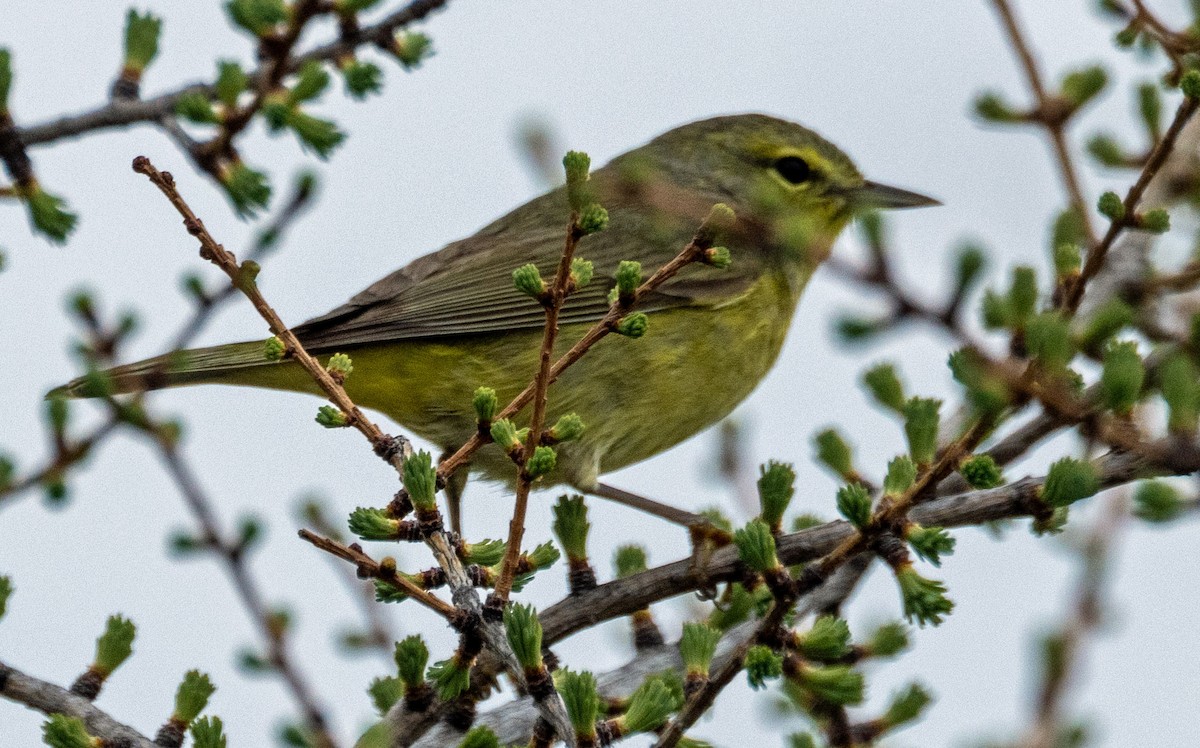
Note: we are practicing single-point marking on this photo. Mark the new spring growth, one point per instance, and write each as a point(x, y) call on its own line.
point(633, 325)
point(930, 543)
point(274, 349)
point(370, 523)
point(981, 471)
point(828, 640)
point(1111, 206)
point(775, 490)
point(259, 17)
point(483, 553)
point(1068, 481)
point(47, 213)
point(411, 48)
point(208, 732)
point(756, 547)
point(1150, 107)
point(247, 188)
point(885, 386)
point(332, 417)
point(190, 700)
point(921, 427)
point(592, 219)
point(541, 462)
point(411, 656)
point(992, 107)
point(987, 394)
point(901, 474)
point(485, 404)
point(480, 737)
point(906, 706)
point(968, 268)
point(339, 367)
point(1156, 221)
point(1190, 84)
point(508, 437)
point(577, 166)
point(528, 280)
point(649, 707)
point(854, 503)
point(6, 590)
point(568, 428)
point(231, 82)
point(420, 481)
point(361, 78)
point(629, 277)
point(629, 560)
point(141, 42)
point(762, 664)
point(1178, 380)
point(579, 695)
point(385, 691)
point(1022, 296)
point(924, 599)
point(61, 731)
point(524, 632)
point(1154, 501)
point(451, 677)
point(1104, 148)
point(581, 273)
point(718, 257)
point(697, 647)
point(1081, 86)
point(6, 78)
point(113, 647)
point(1048, 339)
point(571, 528)
point(1066, 261)
point(1122, 378)
point(835, 684)
point(835, 454)
point(888, 640)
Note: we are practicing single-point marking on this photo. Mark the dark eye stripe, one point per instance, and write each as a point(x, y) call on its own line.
point(794, 169)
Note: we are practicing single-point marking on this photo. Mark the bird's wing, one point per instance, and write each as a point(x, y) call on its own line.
point(467, 287)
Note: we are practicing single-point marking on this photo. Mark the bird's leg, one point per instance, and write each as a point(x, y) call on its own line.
point(704, 534)
point(455, 485)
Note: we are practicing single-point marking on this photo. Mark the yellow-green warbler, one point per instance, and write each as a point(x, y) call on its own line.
point(423, 338)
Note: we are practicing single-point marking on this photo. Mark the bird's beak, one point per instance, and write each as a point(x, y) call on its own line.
point(883, 197)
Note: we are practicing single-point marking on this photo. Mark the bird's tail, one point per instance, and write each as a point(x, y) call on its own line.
point(235, 363)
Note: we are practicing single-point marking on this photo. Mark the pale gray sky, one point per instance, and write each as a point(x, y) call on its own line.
point(432, 160)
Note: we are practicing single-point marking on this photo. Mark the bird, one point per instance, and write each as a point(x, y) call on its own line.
point(425, 337)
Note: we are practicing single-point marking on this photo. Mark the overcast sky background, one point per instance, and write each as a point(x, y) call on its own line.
point(432, 160)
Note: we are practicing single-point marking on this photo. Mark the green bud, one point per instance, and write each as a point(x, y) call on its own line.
point(192, 696)
point(1081, 86)
point(762, 663)
point(385, 692)
point(837, 684)
point(524, 632)
point(720, 219)
point(542, 557)
point(411, 48)
point(981, 472)
point(484, 553)
point(717, 518)
point(231, 82)
point(737, 604)
point(854, 503)
point(247, 189)
point(568, 428)
point(61, 731)
point(540, 462)
point(57, 414)
point(907, 705)
point(827, 640)
point(1023, 295)
point(450, 678)
point(852, 329)
point(1181, 391)
point(1105, 322)
point(1067, 260)
point(6, 77)
point(1052, 524)
point(756, 546)
point(1048, 338)
point(571, 526)
point(577, 166)
point(528, 280)
point(775, 490)
point(1190, 84)
point(48, 214)
point(930, 543)
point(506, 435)
point(924, 599)
point(362, 79)
point(114, 646)
point(888, 640)
point(992, 107)
point(331, 417)
point(885, 386)
point(806, 521)
point(420, 481)
point(629, 277)
point(633, 325)
point(1127, 37)
point(480, 737)
point(969, 265)
point(578, 692)
point(411, 658)
point(274, 349)
point(316, 135)
point(340, 364)
point(1104, 148)
point(1150, 107)
point(6, 590)
point(629, 560)
point(485, 404)
point(1123, 376)
point(1157, 221)
point(834, 453)
point(311, 82)
point(372, 524)
point(208, 732)
point(1111, 206)
point(921, 423)
point(141, 39)
point(648, 708)
point(1068, 481)
point(592, 219)
point(257, 16)
point(697, 647)
point(901, 474)
point(996, 312)
point(581, 272)
point(1154, 501)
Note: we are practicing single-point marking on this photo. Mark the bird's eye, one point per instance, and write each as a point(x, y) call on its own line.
point(794, 169)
